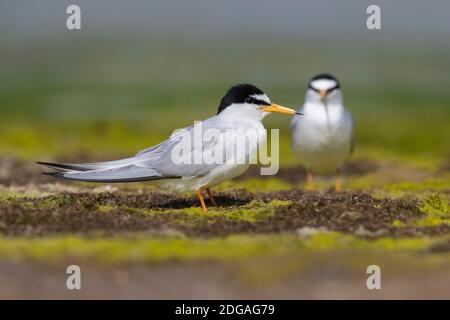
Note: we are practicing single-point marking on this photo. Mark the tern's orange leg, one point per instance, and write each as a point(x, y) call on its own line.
point(202, 201)
point(211, 198)
point(338, 186)
point(310, 181)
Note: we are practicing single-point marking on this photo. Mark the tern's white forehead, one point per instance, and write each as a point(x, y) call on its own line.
point(261, 97)
point(323, 84)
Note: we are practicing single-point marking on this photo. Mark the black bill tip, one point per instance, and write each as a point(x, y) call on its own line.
point(299, 113)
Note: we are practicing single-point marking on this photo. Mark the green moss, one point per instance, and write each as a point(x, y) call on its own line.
point(429, 184)
point(106, 208)
point(232, 248)
point(138, 249)
point(255, 211)
point(380, 184)
point(431, 221)
point(11, 195)
point(335, 240)
point(438, 212)
point(435, 205)
point(51, 202)
point(252, 212)
point(399, 224)
point(31, 200)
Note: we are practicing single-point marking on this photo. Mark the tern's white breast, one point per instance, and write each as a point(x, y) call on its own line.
point(322, 137)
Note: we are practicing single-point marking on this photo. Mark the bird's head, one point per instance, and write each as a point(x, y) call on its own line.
point(246, 100)
point(324, 88)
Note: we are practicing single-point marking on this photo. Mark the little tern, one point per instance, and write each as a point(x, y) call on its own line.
point(324, 138)
point(243, 107)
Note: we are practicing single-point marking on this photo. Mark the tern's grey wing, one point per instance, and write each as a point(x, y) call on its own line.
point(151, 164)
point(352, 145)
point(181, 156)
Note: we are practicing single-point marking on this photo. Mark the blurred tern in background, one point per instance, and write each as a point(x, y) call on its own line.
point(324, 138)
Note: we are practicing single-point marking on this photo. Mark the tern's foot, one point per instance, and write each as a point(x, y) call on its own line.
point(338, 185)
point(211, 198)
point(310, 181)
point(202, 201)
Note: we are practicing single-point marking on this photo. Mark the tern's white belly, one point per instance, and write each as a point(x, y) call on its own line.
point(217, 175)
point(322, 138)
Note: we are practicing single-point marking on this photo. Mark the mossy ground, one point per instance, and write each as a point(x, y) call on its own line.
point(55, 224)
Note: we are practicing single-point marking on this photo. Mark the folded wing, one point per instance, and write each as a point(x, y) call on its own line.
point(150, 164)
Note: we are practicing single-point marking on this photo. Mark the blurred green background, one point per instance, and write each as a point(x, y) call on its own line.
point(138, 70)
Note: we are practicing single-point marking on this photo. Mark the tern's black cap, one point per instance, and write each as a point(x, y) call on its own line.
point(324, 76)
point(241, 93)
